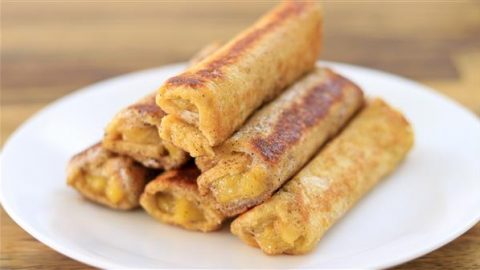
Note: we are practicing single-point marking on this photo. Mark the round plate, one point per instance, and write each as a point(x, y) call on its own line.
point(431, 199)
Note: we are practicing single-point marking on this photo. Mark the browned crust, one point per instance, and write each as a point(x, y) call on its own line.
point(180, 178)
point(145, 112)
point(213, 68)
point(147, 106)
point(94, 154)
point(301, 116)
point(368, 149)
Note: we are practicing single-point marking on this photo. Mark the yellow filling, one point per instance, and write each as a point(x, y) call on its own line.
point(181, 210)
point(165, 202)
point(143, 135)
point(110, 188)
point(270, 241)
point(114, 191)
point(247, 185)
point(288, 232)
point(186, 211)
point(278, 238)
point(96, 183)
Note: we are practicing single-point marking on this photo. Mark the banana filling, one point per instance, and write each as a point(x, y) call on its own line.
point(145, 135)
point(277, 237)
point(234, 179)
point(148, 138)
point(111, 188)
point(180, 209)
point(242, 186)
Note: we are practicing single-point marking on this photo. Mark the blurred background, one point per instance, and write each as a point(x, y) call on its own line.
point(51, 48)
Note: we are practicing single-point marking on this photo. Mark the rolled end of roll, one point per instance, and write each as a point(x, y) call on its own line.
point(106, 178)
point(173, 198)
point(185, 136)
point(134, 132)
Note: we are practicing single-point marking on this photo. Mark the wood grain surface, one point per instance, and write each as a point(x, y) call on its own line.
point(51, 48)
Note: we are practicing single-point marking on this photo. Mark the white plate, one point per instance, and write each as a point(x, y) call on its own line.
point(432, 198)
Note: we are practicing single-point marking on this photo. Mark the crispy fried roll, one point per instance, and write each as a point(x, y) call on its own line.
point(297, 216)
point(209, 101)
point(278, 140)
point(173, 198)
point(134, 130)
point(107, 178)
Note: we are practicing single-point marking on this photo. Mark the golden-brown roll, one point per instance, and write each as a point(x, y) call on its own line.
point(298, 215)
point(278, 140)
point(173, 198)
point(107, 178)
point(134, 130)
point(209, 101)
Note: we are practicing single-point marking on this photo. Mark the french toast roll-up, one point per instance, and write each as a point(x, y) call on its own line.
point(134, 131)
point(208, 102)
point(296, 217)
point(278, 140)
point(106, 178)
point(173, 198)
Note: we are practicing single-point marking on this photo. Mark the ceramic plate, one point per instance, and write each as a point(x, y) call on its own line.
point(431, 199)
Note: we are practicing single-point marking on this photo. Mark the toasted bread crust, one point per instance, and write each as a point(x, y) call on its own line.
point(221, 91)
point(280, 138)
point(298, 215)
point(212, 68)
point(295, 121)
point(147, 107)
point(146, 114)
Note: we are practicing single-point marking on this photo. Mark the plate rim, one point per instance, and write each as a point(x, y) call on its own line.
point(98, 261)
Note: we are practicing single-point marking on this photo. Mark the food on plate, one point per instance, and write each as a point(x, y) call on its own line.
point(134, 131)
point(284, 146)
point(208, 102)
point(173, 198)
point(298, 215)
point(106, 178)
point(278, 140)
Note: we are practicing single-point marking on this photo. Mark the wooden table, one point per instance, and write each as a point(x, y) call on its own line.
point(52, 48)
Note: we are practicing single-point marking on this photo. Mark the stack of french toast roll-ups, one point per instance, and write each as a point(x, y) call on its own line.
point(281, 146)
